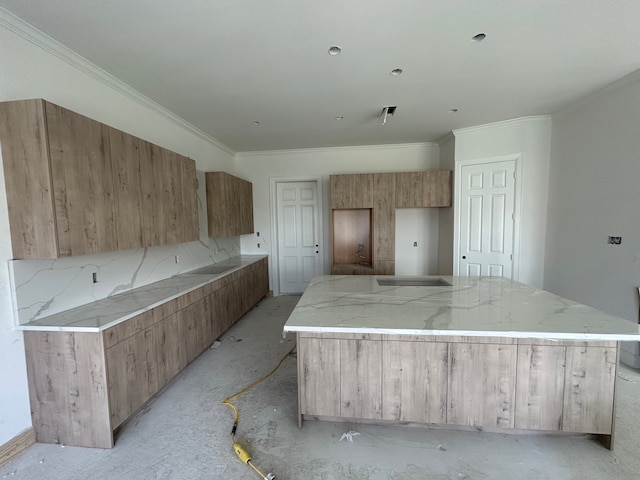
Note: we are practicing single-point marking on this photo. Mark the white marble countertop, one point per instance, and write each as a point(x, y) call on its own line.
point(471, 306)
point(105, 313)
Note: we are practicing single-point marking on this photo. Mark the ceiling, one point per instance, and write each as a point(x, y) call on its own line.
point(222, 65)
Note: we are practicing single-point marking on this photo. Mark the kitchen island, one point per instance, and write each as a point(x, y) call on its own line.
point(463, 352)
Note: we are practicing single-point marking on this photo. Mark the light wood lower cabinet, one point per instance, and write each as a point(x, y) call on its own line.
point(492, 383)
point(83, 386)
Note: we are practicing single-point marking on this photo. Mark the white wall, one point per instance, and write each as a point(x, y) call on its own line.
point(530, 139)
point(595, 174)
point(261, 166)
point(419, 226)
point(446, 215)
point(34, 67)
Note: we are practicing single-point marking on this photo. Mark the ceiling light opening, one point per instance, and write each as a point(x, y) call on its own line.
point(255, 123)
point(396, 71)
point(335, 50)
point(339, 117)
point(453, 110)
point(479, 37)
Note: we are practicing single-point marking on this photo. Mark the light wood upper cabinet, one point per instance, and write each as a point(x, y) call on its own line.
point(76, 186)
point(430, 188)
point(229, 205)
point(352, 190)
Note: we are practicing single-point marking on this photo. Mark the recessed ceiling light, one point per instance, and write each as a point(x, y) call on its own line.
point(396, 71)
point(335, 50)
point(479, 37)
point(453, 110)
point(339, 117)
point(255, 123)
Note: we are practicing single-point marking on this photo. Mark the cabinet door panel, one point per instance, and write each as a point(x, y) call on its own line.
point(384, 218)
point(409, 189)
point(82, 182)
point(319, 376)
point(352, 190)
point(172, 355)
point(28, 179)
point(361, 379)
point(589, 388)
point(125, 159)
point(540, 387)
point(415, 381)
point(481, 387)
point(133, 375)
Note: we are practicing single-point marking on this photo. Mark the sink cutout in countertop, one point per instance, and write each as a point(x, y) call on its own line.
point(412, 282)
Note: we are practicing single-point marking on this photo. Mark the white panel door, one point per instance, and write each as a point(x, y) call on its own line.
point(487, 206)
point(298, 235)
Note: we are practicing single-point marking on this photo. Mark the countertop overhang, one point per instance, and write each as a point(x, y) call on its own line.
point(471, 306)
point(105, 313)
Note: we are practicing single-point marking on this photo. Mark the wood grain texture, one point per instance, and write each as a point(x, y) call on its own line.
point(190, 224)
point(25, 157)
point(384, 221)
point(351, 228)
point(171, 352)
point(360, 378)
point(133, 376)
point(16, 445)
point(68, 388)
point(540, 387)
point(415, 381)
point(589, 389)
point(352, 190)
point(409, 190)
point(229, 205)
point(128, 328)
point(481, 390)
point(320, 381)
point(438, 192)
point(82, 182)
point(127, 191)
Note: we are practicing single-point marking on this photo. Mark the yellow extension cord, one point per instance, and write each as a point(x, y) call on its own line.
point(242, 452)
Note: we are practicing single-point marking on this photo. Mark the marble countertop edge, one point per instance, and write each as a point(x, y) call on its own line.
point(465, 333)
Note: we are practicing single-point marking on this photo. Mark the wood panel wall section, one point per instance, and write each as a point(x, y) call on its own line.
point(84, 386)
point(76, 186)
point(493, 383)
point(229, 205)
point(382, 193)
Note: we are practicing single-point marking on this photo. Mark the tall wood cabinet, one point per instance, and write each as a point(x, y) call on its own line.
point(76, 186)
point(229, 205)
point(379, 194)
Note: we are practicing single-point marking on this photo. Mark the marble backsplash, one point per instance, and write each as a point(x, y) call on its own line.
point(44, 287)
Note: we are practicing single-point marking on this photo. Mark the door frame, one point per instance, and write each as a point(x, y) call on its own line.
point(517, 198)
point(273, 204)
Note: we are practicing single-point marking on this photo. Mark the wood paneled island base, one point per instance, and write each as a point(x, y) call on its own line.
point(479, 353)
point(492, 384)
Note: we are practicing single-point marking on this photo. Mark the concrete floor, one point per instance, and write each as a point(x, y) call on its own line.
point(184, 433)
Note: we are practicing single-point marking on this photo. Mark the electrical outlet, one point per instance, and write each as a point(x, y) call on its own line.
point(415, 244)
point(257, 234)
point(258, 245)
point(177, 259)
point(95, 277)
point(615, 240)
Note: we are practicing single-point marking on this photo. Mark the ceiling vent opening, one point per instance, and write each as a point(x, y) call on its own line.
point(387, 112)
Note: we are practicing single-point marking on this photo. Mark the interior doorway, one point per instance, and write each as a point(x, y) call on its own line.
point(298, 233)
point(487, 221)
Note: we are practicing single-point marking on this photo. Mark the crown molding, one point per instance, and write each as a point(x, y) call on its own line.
point(615, 86)
point(298, 151)
point(503, 124)
point(28, 32)
point(447, 137)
